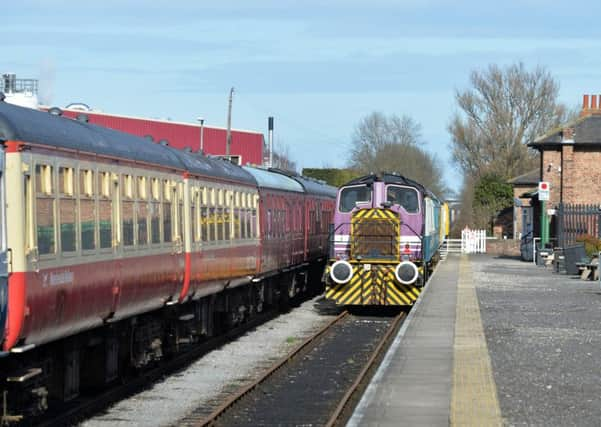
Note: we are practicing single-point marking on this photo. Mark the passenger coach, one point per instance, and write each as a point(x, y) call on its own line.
point(119, 252)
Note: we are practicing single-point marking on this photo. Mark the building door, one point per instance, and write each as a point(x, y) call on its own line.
point(527, 242)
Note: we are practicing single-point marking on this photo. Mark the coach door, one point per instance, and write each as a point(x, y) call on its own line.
point(3, 246)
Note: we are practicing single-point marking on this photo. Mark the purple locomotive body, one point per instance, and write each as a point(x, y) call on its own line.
point(409, 214)
point(385, 239)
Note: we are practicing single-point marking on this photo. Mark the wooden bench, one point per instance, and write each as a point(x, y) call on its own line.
point(589, 269)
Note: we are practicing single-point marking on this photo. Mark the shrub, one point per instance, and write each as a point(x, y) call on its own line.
point(592, 244)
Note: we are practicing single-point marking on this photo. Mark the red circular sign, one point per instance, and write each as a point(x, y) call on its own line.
point(543, 186)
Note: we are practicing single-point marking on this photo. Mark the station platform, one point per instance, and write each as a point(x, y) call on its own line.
point(492, 341)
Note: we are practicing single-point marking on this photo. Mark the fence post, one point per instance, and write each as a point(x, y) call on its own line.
point(560, 226)
point(483, 241)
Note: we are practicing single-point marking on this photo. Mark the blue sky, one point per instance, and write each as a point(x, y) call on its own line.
point(317, 67)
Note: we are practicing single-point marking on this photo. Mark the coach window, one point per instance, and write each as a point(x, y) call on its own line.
point(204, 215)
point(241, 215)
point(180, 210)
point(142, 210)
point(255, 218)
point(194, 195)
point(127, 209)
point(217, 216)
point(105, 210)
point(349, 196)
point(248, 215)
point(212, 218)
point(155, 211)
point(227, 214)
point(87, 210)
point(403, 196)
point(67, 211)
point(45, 210)
point(167, 212)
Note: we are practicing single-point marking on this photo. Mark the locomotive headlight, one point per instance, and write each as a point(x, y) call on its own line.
point(341, 272)
point(406, 272)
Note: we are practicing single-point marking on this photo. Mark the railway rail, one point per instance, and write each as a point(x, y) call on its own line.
point(315, 384)
point(86, 406)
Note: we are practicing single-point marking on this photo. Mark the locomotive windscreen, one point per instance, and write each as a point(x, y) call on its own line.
point(351, 195)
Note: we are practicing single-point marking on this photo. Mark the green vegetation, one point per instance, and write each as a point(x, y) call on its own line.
point(491, 195)
point(335, 177)
point(592, 244)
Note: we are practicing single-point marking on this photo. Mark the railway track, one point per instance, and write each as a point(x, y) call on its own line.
point(317, 383)
point(86, 406)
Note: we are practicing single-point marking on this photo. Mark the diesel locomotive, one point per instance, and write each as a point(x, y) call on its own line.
point(385, 239)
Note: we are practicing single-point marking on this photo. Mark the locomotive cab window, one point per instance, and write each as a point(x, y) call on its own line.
point(403, 196)
point(351, 195)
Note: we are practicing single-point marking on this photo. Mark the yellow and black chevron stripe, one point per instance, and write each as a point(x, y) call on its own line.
point(374, 286)
point(375, 213)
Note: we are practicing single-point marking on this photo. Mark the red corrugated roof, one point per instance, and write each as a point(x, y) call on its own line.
point(246, 144)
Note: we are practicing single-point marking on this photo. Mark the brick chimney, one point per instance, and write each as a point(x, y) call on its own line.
point(590, 106)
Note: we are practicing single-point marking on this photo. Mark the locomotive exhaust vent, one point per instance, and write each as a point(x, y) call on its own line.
point(341, 272)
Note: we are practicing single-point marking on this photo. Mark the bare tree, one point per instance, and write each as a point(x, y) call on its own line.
point(504, 109)
point(282, 160)
point(392, 144)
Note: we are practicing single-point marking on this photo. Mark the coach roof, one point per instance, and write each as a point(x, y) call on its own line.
point(36, 127)
point(267, 179)
point(311, 186)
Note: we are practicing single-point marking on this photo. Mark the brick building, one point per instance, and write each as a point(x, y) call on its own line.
point(571, 157)
point(524, 186)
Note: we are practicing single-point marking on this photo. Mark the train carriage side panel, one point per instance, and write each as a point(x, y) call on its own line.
point(3, 247)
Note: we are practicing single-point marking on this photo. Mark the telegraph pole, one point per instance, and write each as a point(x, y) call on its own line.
point(228, 141)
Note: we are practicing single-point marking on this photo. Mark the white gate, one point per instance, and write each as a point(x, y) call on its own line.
point(473, 241)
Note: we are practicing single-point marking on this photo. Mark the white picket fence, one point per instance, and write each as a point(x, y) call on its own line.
point(471, 242)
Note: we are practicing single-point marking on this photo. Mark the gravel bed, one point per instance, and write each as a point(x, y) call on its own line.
point(217, 374)
point(544, 334)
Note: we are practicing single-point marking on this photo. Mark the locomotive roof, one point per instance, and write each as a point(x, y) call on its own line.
point(28, 125)
point(390, 178)
point(311, 186)
point(267, 179)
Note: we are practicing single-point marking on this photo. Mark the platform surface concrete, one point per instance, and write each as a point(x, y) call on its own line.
point(493, 341)
point(414, 383)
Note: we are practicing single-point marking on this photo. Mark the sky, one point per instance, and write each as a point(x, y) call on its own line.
point(318, 67)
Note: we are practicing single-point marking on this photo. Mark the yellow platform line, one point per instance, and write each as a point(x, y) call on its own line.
point(474, 401)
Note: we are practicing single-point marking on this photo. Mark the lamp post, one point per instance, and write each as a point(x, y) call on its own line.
point(202, 122)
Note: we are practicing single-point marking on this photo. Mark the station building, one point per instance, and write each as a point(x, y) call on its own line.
point(570, 156)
